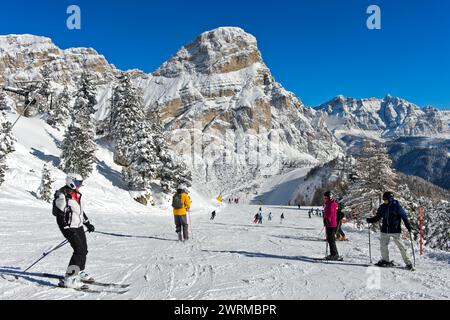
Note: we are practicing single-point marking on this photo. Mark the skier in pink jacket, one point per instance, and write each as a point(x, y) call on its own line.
point(330, 222)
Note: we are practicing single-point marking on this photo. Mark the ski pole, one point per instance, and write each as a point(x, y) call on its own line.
point(321, 231)
point(190, 224)
point(62, 244)
point(412, 248)
point(370, 246)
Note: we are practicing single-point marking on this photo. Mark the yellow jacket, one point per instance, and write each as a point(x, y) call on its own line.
point(186, 205)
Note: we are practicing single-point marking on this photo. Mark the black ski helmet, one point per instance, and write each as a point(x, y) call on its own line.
point(388, 195)
point(328, 194)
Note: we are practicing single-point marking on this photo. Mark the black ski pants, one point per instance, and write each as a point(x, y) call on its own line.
point(331, 238)
point(77, 240)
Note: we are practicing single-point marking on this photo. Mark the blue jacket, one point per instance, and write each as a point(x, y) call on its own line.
point(391, 215)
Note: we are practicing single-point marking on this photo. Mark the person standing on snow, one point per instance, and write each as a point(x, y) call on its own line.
point(270, 216)
point(330, 223)
point(340, 235)
point(70, 217)
point(260, 217)
point(282, 218)
point(181, 203)
point(391, 213)
point(213, 215)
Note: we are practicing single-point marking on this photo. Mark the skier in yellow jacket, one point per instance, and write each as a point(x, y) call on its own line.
point(181, 204)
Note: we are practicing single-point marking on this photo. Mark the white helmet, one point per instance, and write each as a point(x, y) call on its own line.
point(74, 181)
point(182, 187)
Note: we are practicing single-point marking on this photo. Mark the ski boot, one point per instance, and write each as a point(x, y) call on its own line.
point(85, 278)
point(72, 282)
point(180, 237)
point(334, 258)
point(384, 264)
point(409, 267)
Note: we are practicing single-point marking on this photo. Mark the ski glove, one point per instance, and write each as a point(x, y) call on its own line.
point(90, 227)
point(325, 222)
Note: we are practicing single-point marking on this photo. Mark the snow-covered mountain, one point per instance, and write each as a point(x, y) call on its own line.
point(217, 87)
point(23, 58)
point(389, 117)
point(218, 84)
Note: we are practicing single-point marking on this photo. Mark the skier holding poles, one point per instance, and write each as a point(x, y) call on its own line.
point(391, 213)
point(181, 204)
point(70, 217)
point(330, 223)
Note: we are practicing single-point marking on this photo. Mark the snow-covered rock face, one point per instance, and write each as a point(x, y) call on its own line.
point(22, 58)
point(220, 85)
point(390, 116)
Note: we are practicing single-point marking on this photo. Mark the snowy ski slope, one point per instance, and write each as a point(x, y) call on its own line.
point(228, 258)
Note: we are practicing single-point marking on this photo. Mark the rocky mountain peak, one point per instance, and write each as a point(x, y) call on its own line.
point(222, 50)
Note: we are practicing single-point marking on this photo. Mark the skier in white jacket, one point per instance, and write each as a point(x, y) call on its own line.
point(70, 216)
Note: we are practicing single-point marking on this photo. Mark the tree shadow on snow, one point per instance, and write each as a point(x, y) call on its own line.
point(29, 276)
point(131, 236)
point(295, 258)
point(112, 175)
point(46, 157)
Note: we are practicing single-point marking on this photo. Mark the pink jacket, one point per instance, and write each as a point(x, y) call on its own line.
point(330, 213)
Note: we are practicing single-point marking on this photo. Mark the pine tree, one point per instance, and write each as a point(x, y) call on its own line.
point(171, 170)
point(87, 91)
point(6, 145)
point(45, 91)
point(3, 101)
point(78, 149)
point(45, 190)
point(126, 115)
point(375, 176)
point(59, 113)
point(143, 160)
point(173, 173)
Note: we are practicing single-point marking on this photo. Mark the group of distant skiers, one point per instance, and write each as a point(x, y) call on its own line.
point(258, 218)
point(233, 200)
point(68, 208)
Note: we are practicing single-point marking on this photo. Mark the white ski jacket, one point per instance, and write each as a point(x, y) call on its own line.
point(71, 213)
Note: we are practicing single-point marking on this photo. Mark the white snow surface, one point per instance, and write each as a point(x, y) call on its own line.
point(228, 258)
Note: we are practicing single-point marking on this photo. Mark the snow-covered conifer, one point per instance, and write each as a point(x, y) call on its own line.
point(45, 189)
point(6, 144)
point(78, 149)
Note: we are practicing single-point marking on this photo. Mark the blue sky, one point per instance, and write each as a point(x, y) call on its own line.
point(317, 49)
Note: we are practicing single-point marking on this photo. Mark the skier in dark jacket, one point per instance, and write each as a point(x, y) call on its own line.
point(340, 235)
point(70, 217)
point(391, 213)
point(213, 215)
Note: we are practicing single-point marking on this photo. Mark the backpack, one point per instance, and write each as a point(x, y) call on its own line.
point(177, 202)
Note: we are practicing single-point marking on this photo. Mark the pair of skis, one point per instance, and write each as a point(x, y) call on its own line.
point(102, 286)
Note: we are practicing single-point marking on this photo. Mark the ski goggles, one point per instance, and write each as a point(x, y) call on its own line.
point(78, 183)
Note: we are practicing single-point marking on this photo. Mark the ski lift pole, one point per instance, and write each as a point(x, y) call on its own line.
point(46, 253)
